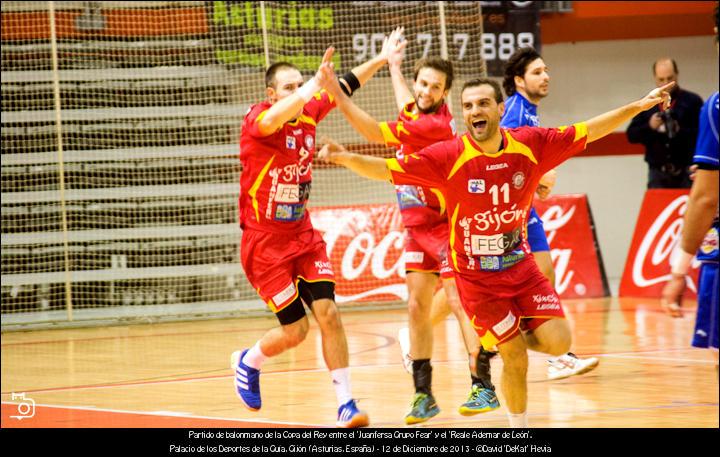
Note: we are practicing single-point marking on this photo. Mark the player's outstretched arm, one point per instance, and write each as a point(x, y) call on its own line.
point(606, 123)
point(287, 108)
point(365, 71)
point(365, 166)
point(402, 92)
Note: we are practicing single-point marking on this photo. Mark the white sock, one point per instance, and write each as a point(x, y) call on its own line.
point(254, 357)
point(341, 382)
point(518, 420)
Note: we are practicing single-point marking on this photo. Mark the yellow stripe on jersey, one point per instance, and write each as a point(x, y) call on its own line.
point(388, 136)
point(410, 114)
point(394, 165)
point(580, 130)
point(469, 153)
point(256, 185)
point(452, 237)
point(260, 116)
point(441, 199)
point(515, 147)
point(319, 95)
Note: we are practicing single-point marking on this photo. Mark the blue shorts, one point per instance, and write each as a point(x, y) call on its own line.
point(536, 233)
point(706, 321)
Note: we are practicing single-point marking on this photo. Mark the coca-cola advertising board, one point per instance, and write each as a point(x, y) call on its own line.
point(575, 252)
point(365, 246)
point(657, 231)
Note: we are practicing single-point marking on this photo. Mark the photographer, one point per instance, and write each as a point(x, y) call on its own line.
point(668, 135)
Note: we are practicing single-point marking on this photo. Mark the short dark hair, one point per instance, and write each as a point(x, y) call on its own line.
point(272, 71)
point(666, 58)
point(441, 65)
point(483, 81)
point(517, 66)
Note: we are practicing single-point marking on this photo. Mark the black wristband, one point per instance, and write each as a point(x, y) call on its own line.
point(349, 83)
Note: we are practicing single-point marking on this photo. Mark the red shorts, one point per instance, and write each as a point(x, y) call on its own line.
point(501, 303)
point(274, 262)
point(426, 249)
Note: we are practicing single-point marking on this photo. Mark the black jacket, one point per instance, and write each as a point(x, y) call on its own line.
point(659, 149)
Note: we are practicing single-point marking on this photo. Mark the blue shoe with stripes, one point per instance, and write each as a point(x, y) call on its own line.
point(349, 416)
point(247, 381)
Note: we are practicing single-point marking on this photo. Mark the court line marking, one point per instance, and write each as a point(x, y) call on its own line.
point(323, 369)
point(180, 415)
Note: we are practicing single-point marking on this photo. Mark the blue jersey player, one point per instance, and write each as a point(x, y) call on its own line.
point(700, 232)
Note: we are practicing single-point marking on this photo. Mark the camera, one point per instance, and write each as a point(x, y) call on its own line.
point(670, 123)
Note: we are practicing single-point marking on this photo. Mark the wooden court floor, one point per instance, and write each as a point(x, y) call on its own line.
point(178, 375)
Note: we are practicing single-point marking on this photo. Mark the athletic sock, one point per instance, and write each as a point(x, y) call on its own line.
point(341, 382)
point(518, 420)
point(254, 357)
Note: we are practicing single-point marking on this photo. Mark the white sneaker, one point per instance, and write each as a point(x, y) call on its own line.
point(404, 340)
point(569, 365)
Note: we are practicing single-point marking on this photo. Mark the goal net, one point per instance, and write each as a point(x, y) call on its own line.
point(120, 127)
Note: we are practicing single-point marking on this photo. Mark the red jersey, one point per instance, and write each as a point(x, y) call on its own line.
point(412, 132)
point(488, 196)
point(277, 169)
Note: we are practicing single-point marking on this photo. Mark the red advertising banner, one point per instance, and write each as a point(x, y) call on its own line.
point(579, 271)
point(365, 246)
point(657, 230)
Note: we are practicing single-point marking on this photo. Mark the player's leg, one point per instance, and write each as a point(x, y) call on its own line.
point(514, 379)
point(440, 309)
point(482, 396)
point(551, 336)
point(421, 286)
point(706, 319)
point(265, 261)
point(567, 364)
point(247, 363)
point(316, 285)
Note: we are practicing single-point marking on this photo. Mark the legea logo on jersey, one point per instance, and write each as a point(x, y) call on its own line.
point(290, 142)
point(476, 186)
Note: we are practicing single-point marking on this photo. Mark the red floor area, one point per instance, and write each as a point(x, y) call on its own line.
point(52, 417)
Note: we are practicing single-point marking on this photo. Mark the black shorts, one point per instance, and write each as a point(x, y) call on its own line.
point(308, 292)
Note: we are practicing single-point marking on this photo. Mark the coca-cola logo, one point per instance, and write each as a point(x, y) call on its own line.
point(368, 250)
point(654, 254)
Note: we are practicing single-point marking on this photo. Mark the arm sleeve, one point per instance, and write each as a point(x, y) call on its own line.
point(250, 123)
point(320, 105)
point(427, 167)
point(559, 144)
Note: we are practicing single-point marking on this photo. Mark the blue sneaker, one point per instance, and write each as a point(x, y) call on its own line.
point(423, 408)
point(247, 381)
point(481, 400)
point(349, 416)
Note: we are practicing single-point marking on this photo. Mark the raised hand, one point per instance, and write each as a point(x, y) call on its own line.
point(396, 46)
point(655, 96)
point(326, 70)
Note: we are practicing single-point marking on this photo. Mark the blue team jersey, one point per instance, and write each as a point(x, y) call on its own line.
point(706, 154)
point(519, 112)
point(706, 149)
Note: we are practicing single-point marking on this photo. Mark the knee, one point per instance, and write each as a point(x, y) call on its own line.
point(296, 332)
point(561, 339)
point(515, 360)
point(326, 312)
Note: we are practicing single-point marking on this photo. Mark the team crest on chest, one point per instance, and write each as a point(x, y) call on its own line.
point(309, 141)
point(290, 142)
point(518, 180)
